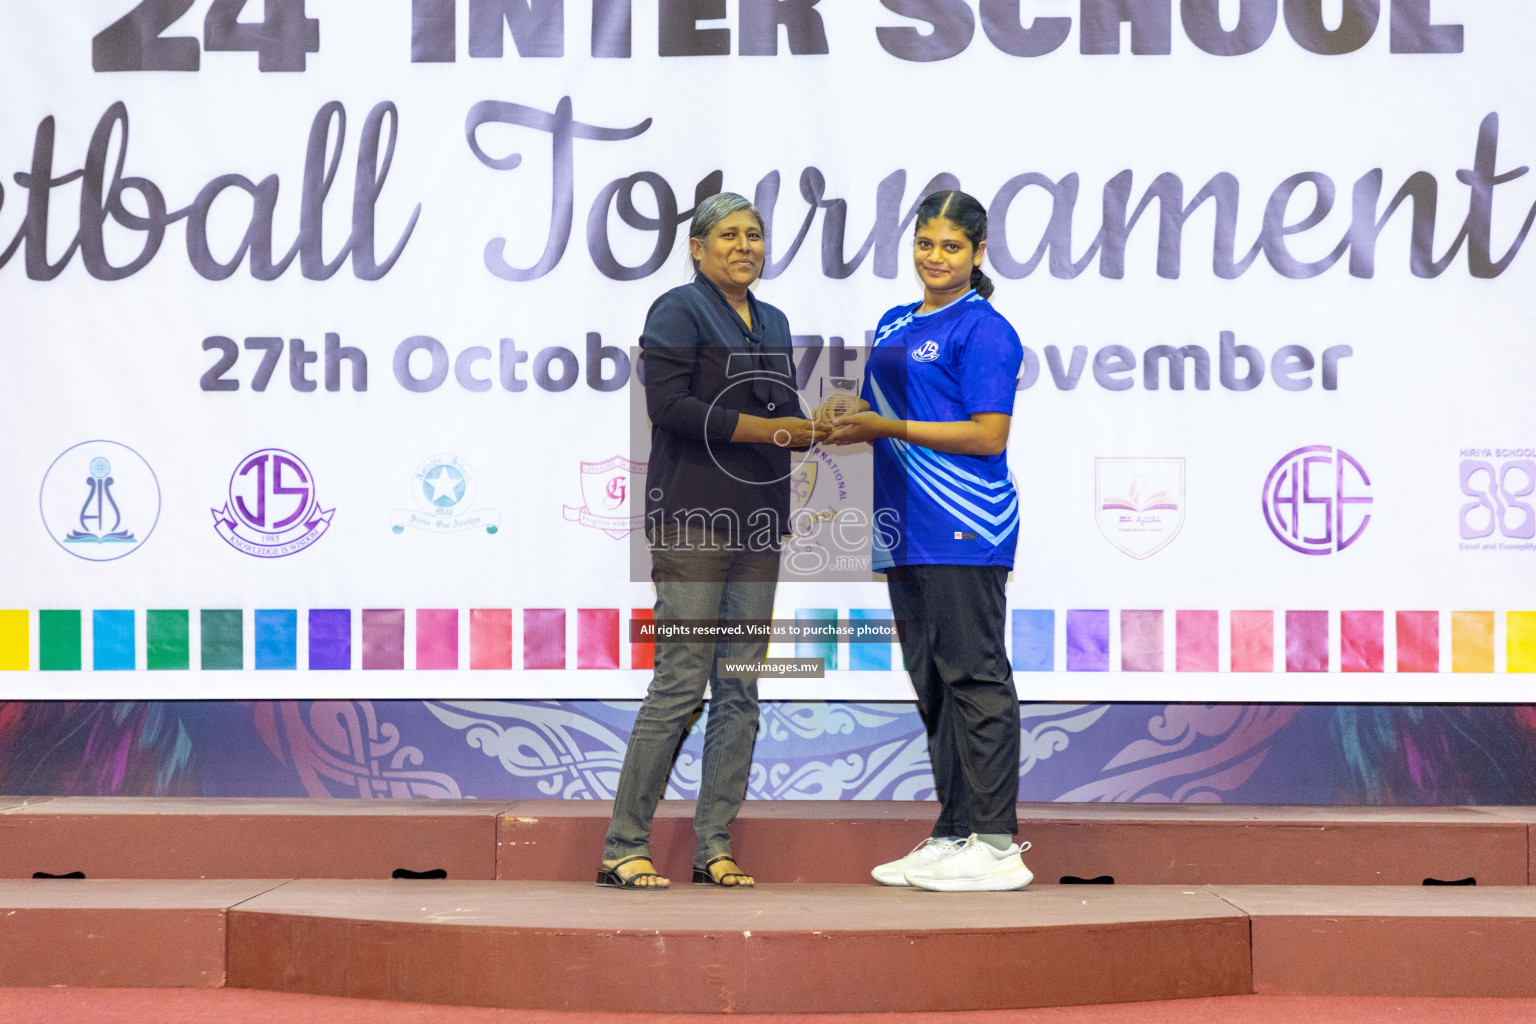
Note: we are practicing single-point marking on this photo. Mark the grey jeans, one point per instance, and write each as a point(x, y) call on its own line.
point(711, 584)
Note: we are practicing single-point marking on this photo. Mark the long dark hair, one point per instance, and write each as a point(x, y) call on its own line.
point(965, 212)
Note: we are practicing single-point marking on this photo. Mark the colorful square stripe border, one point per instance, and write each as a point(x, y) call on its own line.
point(478, 639)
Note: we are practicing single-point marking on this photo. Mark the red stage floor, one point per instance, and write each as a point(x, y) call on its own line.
point(246, 1006)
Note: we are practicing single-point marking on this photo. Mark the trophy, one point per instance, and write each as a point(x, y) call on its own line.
point(839, 396)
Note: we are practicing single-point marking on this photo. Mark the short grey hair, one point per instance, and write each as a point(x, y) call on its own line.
point(715, 209)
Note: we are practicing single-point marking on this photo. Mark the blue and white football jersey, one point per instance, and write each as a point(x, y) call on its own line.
point(933, 508)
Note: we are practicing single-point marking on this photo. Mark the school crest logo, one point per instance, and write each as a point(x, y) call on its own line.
point(1139, 503)
point(100, 500)
point(927, 352)
point(802, 484)
point(819, 490)
point(1317, 500)
point(444, 491)
point(606, 491)
point(273, 509)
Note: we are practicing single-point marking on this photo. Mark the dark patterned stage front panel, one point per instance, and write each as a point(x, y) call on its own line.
point(1232, 753)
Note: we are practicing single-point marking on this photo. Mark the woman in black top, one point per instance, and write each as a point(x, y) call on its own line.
point(720, 391)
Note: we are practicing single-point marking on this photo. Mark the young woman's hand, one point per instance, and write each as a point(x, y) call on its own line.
point(858, 427)
point(838, 405)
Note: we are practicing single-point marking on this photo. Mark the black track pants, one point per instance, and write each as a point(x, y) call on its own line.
point(955, 654)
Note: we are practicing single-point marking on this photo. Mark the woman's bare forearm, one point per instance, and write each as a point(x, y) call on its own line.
point(959, 437)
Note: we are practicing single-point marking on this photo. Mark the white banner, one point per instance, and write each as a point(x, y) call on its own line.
point(317, 317)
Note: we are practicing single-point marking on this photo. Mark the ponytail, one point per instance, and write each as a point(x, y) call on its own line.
point(965, 212)
point(981, 282)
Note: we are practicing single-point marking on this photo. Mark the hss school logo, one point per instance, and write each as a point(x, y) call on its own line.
point(1139, 503)
point(272, 509)
point(100, 500)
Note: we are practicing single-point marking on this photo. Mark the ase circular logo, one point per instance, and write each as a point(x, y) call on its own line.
point(1316, 500)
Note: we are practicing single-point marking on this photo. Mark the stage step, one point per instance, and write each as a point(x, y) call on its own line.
point(784, 841)
point(776, 949)
point(1386, 940)
point(196, 837)
point(118, 933)
point(1133, 844)
point(1526, 815)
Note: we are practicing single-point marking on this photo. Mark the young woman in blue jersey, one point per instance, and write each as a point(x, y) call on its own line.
point(936, 404)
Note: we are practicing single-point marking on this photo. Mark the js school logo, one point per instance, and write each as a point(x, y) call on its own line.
point(927, 352)
point(100, 500)
point(444, 489)
point(272, 509)
point(1314, 500)
point(1139, 503)
point(605, 487)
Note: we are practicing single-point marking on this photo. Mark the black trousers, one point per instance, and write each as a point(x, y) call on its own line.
point(955, 654)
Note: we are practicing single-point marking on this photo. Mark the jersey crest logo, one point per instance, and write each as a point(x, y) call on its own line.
point(927, 352)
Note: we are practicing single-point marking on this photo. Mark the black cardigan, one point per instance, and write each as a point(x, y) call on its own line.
point(703, 368)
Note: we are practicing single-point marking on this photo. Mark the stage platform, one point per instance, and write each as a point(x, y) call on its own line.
point(194, 837)
point(1390, 940)
point(1206, 900)
point(777, 949)
point(1133, 844)
point(786, 841)
point(781, 948)
point(118, 933)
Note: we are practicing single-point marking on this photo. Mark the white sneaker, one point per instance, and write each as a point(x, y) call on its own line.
point(925, 854)
point(973, 866)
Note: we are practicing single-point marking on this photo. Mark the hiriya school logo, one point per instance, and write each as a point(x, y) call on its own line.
point(927, 352)
point(272, 509)
point(605, 487)
point(100, 500)
point(444, 489)
point(1316, 500)
point(1139, 503)
point(1500, 482)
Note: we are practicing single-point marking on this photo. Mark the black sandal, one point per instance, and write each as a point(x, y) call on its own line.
point(611, 878)
point(703, 876)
